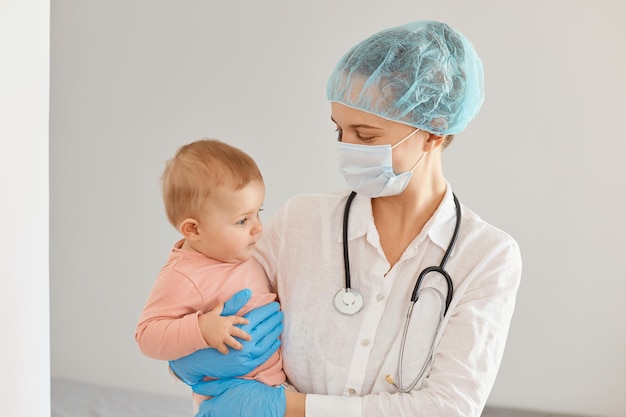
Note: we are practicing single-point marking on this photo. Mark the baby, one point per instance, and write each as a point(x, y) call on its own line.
point(213, 194)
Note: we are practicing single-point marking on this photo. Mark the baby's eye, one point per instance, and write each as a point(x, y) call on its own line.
point(242, 222)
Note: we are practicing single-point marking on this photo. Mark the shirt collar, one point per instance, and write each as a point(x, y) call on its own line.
point(439, 227)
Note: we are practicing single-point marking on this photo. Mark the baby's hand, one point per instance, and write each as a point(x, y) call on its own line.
point(219, 332)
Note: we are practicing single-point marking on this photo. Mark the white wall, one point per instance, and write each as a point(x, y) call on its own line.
point(24, 297)
point(134, 80)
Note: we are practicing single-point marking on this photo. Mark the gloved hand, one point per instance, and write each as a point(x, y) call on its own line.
point(264, 327)
point(236, 302)
point(241, 398)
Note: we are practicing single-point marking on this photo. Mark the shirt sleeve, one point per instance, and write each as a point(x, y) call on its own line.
point(333, 405)
point(266, 249)
point(471, 347)
point(168, 326)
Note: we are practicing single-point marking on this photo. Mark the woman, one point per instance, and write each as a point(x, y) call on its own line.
point(397, 99)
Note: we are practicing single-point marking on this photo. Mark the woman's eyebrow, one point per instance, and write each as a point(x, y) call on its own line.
point(357, 126)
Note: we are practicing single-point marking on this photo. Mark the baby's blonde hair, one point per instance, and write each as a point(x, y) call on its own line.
point(196, 170)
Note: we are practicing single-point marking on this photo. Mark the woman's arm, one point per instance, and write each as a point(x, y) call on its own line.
point(296, 403)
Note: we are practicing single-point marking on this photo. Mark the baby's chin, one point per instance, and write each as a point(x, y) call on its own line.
point(241, 257)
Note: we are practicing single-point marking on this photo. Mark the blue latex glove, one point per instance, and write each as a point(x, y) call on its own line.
point(241, 398)
point(264, 327)
point(236, 302)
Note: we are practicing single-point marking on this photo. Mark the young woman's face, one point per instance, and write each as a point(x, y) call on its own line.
point(361, 128)
point(230, 225)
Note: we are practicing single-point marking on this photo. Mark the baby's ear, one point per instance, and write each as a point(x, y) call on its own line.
point(189, 229)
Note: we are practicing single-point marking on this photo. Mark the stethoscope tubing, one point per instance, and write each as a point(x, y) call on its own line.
point(356, 302)
point(441, 268)
point(346, 257)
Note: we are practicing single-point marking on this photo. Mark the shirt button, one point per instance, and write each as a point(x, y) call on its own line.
point(365, 342)
point(351, 391)
point(380, 297)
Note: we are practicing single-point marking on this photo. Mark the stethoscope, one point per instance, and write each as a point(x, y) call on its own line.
point(349, 301)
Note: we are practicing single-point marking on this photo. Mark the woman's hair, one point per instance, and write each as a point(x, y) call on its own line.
point(424, 74)
point(196, 170)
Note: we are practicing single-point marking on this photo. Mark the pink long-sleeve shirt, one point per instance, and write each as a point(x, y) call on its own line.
point(191, 284)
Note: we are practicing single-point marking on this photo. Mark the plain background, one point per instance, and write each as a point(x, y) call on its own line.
point(24, 199)
point(131, 81)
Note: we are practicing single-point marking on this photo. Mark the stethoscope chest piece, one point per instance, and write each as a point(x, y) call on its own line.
point(348, 301)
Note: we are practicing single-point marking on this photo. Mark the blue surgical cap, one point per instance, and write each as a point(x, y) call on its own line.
point(424, 74)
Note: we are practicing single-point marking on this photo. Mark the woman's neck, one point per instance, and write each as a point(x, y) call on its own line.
point(399, 219)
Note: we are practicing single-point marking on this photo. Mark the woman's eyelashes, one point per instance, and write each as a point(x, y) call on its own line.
point(365, 138)
point(339, 134)
point(357, 134)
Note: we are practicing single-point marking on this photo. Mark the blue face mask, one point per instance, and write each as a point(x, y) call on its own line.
point(368, 169)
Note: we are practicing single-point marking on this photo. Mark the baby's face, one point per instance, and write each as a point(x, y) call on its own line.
point(230, 225)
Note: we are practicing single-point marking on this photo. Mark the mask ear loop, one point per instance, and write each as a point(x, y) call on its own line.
point(421, 157)
point(402, 140)
point(418, 162)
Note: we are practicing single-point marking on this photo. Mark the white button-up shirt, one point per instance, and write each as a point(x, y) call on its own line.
point(341, 361)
